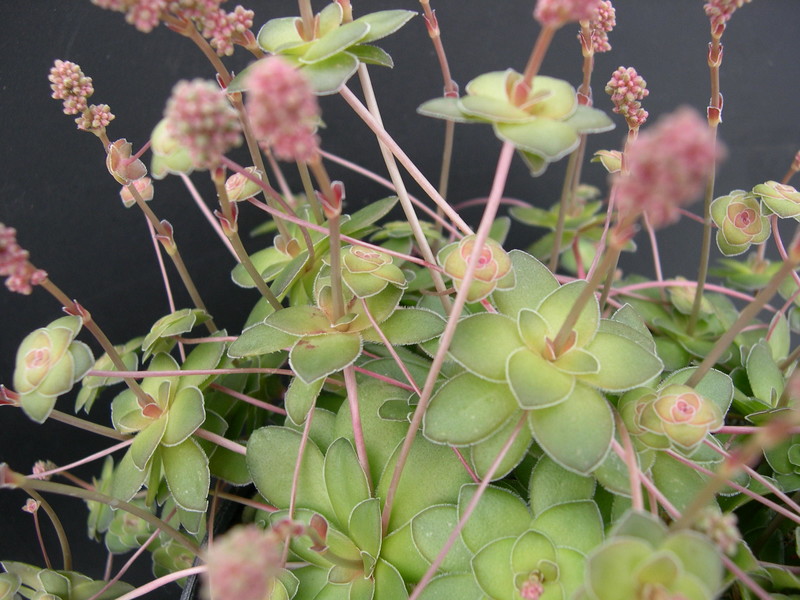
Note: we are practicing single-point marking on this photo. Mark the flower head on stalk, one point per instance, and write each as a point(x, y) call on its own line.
point(283, 110)
point(720, 11)
point(602, 22)
point(627, 90)
point(242, 563)
point(70, 85)
point(555, 13)
point(14, 264)
point(200, 117)
point(667, 167)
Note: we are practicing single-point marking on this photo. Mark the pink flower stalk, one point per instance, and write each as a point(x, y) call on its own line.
point(283, 110)
point(720, 11)
point(242, 563)
point(667, 167)
point(14, 264)
point(627, 88)
point(95, 118)
point(70, 85)
point(200, 117)
point(555, 13)
point(601, 23)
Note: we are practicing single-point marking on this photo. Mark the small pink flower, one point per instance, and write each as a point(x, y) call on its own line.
point(667, 167)
point(31, 506)
point(242, 563)
point(627, 89)
point(70, 85)
point(43, 466)
point(200, 117)
point(226, 29)
point(145, 188)
point(554, 13)
point(283, 110)
point(601, 23)
point(720, 11)
point(21, 274)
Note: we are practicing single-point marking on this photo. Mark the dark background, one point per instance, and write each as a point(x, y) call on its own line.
point(55, 189)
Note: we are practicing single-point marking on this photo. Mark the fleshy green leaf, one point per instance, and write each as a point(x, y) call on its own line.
point(534, 282)
point(384, 22)
point(313, 358)
point(344, 479)
point(330, 75)
point(260, 339)
point(185, 415)
point(187, 474)
point(624, 364)
point(334, 42)
point(575, 525)
point(468, 409)
point(470, 347)
point(409, 326)
point(499, 513)
point(551, 484)
point(430, 530)
point(535, 382)
point(549, 139)
point(146, 442)
point(576, 433)
point(300, 398)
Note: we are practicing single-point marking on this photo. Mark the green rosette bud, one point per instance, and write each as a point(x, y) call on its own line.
point(49, 362)
point(740, 221)
point(782, 199)
point(493, 265)
point(367, 272)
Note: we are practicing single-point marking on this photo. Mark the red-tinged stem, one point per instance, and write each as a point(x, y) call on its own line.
point(79, 423)
point(40, 538)
point(299, 462)
point(245, 501)
point(747, 492)
point(249, 399)
point(63, 541)
point(162, 581)
point(180, 372)
point(403, 158)
point(473, 503)
point(436, 217)
point(164, 277)
point(83, 461)
point(384, 378)
point(390, 348)
point(212, 220)
point(501, 174)
point(221, 441)
point(537, 55)
point(355, 420)
point(628, 455)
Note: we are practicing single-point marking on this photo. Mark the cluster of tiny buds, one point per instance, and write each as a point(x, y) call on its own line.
point(627, 89)
point(601, 23)
point(721, 529)
point(43, 466)
point(221, 28)
point(200, 117)
point(555, 13)
point(283, 110)
point(14, 264)
point(720, 12)
point(70, 85)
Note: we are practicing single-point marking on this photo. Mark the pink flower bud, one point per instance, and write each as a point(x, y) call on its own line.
point(554, 13)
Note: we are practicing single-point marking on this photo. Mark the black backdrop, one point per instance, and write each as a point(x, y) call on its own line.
point(57, 193)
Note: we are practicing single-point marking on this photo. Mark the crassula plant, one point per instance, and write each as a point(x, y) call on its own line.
point(412, 406)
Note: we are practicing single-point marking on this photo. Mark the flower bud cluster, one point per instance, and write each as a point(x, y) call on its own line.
point(70, 85)
point(223, 29)
point(14, 264)
point(667, 167)
point(601, 23)
point(555, 13)
point(283, 110)
point(627, 89)
point(200, 117)
point(242, 563)
point(720, 11)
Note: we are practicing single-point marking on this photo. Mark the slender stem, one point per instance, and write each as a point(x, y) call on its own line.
point(307, 15)
point(221, 441)
point(39, 536)
point(249, 399)
point(308, 188)
point(299, 462)
point(537, 55)
point(79, 423)
point(84, 460)
point(98, 334)
point(63, 541)
point(470, 508)
point(628, 455)
point(355, 420)
point(212, 220)
point(389, 348)
point(162, 581)
point(402, 193)
point(168, 241)
point(403, 158)
point(567, 191)
point(746, 316)
point(9, 478)
point(608, 263)
point(501, 174)
point(231, 231)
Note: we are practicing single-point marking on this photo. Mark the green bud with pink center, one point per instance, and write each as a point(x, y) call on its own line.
point(740, 222)
point(493, 266)
point(241, 187)
point(367, 271)
point(49, 363)
point(782, 199)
